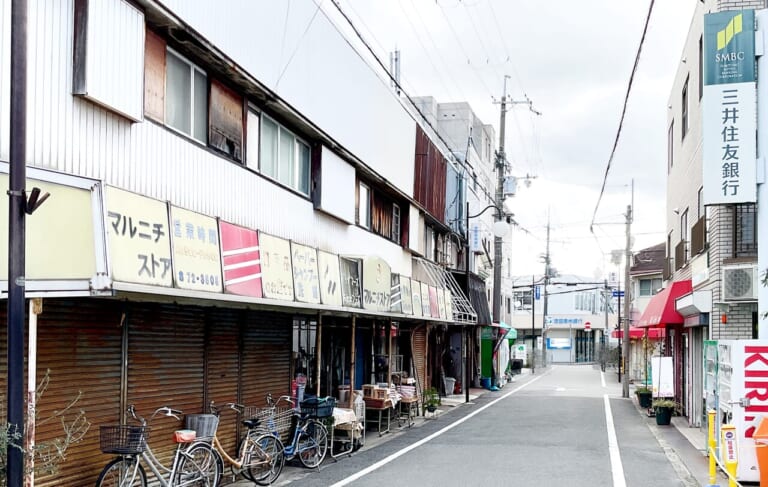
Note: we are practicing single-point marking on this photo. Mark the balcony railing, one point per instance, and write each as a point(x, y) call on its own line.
point(680, 255)
point(699, 236)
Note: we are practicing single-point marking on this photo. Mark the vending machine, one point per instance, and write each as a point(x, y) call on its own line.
point(740, 397)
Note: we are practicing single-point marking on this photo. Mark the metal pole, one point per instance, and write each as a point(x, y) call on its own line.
point(627, 291)
point(352, 367)
point(533, 324)
point(35, 308)
point(546, 302)
point(16, 241)
point(467, 360)
point(618, 324)
point(318, 350)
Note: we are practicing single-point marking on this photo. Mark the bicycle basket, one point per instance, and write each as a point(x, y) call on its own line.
point(123, 439)
point(205, 425)
point(273, 419)
point(318, 407)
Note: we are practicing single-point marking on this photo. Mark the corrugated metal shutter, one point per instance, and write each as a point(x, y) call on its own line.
point(419, 350)
point(79, 342)
point(165, 365)
point(3, 359)
point(266, 356)
point(223, 369)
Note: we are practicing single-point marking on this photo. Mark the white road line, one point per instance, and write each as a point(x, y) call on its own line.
point(602, 378)
point(613, 447)
point(431, 437)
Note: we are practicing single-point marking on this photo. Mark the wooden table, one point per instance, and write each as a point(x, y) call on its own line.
point(408, 408)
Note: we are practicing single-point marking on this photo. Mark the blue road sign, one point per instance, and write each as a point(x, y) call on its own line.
point(617, 294)
point(537, 292)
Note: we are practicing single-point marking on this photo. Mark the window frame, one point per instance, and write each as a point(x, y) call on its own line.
point(192, 69)
point(367, 223)
point(671, 146)
point(651, 290)
point(684, 108)
point(396, 231)
point(298, 142)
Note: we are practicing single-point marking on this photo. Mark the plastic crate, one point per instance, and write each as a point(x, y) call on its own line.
point(318, 407)
point(204, 425)
point(123, 439)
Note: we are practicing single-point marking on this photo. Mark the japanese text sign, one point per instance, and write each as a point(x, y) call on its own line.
point(276, 273)
point(196, 251)
point(139, 238)
point(377, 284)
point(306, 282)
point(418, 309)
point(330, 278)
point(350, 282)
point(406, 295)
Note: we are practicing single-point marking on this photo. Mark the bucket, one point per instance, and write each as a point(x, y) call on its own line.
point(450, 382)
point(343, 394)
point(485, 382)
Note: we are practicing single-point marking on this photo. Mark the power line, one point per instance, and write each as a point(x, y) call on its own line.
point(296, 49)
point(623, 111)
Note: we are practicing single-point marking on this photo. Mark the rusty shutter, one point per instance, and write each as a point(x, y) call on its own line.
point(266, 356)
point(419, 351)
point(165, 365)
point(79, 343)
point(225, 130)
point(222, 370)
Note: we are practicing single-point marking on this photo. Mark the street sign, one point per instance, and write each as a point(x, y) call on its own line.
point(537, 292)
point(617, 294)
point(587, 326)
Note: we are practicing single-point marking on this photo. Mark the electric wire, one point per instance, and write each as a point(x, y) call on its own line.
point(623, 111)
point(296, 49)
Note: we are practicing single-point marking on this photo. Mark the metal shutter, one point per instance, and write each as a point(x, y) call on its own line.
point(419, 351)
point(266, 356)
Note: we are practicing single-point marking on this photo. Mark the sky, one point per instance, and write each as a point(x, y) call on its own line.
point(573, 61)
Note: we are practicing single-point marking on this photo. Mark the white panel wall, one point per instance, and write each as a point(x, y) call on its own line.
point(338, 186)
point(70, 134)
point(307, 62)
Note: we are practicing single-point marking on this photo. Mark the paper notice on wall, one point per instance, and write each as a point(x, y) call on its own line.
point(662, 377)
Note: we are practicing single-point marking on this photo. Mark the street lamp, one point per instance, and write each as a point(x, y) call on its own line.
point(500, 228)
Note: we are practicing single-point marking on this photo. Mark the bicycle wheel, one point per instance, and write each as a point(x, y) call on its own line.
point(122, 472)
point(198, 467)
point(265, 459)
point(312, 444)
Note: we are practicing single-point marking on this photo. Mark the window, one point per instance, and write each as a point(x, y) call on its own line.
point(684, 109)
point(701, 67)
point(670, 145)
point(252, 149)
point(364, 206)
point(585, 301)
point(186, 97)
point(396, 223)
point(684, 226)
point(700, 203)
point(745, 230)
point(649, 287)
point(283, 156)
point(429, 242)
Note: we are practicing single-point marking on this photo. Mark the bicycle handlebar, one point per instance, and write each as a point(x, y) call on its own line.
point(165, 410)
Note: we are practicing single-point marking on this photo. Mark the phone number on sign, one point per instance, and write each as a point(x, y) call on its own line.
point(204, 279)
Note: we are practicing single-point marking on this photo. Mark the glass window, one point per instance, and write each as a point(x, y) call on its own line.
point(649, 287)
point(285, 170)
point(684, 113)
point(304, 167)
point(186, 99)
point(395, 223)
point(269, 147)
point(252, 149)
point(364, 206)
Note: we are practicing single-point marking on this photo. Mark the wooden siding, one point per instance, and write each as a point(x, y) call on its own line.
point(225, 128)
point(429, 176)
point(154, 77)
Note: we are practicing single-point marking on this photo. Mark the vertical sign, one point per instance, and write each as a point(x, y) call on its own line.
point(330, 278)
point(434, 308)
point(241, 260)
point(448, 305)
point(306, 283)
point(350, 282)
point(276, 273)
point(196, 252)
point(425, 308)
point(139, 238)
point(406, 295)
point(729, 108)
point(418, 310)
point(396, 295)
point(441, 302)
point(377, 284)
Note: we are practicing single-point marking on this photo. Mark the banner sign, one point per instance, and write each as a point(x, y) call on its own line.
point(729, 112)
point(241, 260)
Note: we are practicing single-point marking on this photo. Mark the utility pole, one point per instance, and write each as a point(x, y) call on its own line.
point(627, 302)
point(546, 301)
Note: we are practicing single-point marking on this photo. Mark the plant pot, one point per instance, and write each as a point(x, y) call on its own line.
point(663, 415)
point(431, 408)
point(644, 399)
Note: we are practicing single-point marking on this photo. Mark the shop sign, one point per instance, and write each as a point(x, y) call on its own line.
point(396, 297)
point(448, 305)
point(139, 238)
point(350, 282)
point(306, 283)
point(418, 309)
point(425, 307)
point(406, 294)
point(276, 273)
point(330, 278)
point(441, 303)
point(241, 260)
point(377, 284)
point(196, 251)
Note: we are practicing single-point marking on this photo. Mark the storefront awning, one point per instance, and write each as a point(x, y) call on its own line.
point(476, 294)
point(636, 332)
point(462, 308)
point(661, 309)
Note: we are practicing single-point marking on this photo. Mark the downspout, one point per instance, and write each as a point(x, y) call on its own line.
point(318, 355)
point(35, 308)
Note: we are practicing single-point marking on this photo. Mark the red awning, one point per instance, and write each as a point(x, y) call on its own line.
point(661, 309)
point(635, 332)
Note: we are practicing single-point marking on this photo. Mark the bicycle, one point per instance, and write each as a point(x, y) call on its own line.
point(259, 455)
point(308, 438)
point(193, 461)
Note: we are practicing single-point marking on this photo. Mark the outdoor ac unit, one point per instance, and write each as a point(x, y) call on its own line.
point(740, 283)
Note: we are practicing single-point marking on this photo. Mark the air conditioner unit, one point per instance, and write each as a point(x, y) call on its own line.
point(740, 283)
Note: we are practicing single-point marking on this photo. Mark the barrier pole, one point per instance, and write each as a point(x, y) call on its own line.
point(730, 452)
point(712, 444)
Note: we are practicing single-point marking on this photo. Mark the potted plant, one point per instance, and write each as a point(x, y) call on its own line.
point(431, 399)
point(664, 409)
point(643, 396)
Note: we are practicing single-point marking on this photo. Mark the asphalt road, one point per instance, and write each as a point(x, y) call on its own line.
point(561, 428)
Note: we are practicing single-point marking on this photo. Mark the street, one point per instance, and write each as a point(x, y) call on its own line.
point(549, 429)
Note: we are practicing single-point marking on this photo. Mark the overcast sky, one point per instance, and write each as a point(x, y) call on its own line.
point(573, 61)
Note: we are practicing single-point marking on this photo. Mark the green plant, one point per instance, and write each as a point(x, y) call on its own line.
point(431, 398)
point(664, 403)
point(642, 390)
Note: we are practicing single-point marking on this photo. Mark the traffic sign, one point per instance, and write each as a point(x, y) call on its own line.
point(617, 294)
point(587, 326)
point(537, 292)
